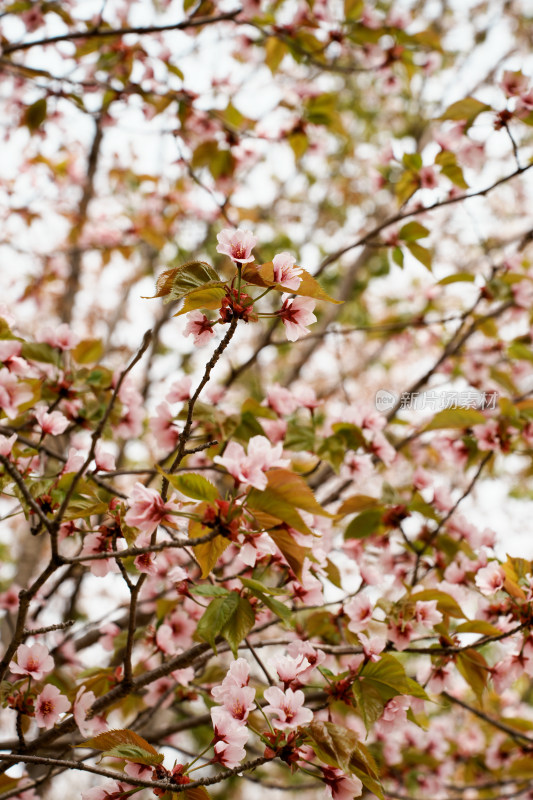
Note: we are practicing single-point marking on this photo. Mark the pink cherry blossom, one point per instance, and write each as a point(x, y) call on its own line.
point(145, 562)
point(514, 83)
point(239, 701)
point(285, 273)
point(13, 393)
point(237, 244)
point(96, 543)
point(9, 348)
point(250, 469)
point(488, 435)
point(238, 675)
point(9, 600)
point(314, 657)
point(49, 706)
point(426, 613)
point(339, 786)
point(148, 509)
point(34, 661)
point(281, 400)
point(296, 313)
point(490, 579)
point(163, 426)
point(53, 423)
point(230, 738)
point(61, 337)
point(110, 790)
point(288, 706)
point(289, 668)
point(104, 460)
point(359, 610)
point(372, 645)
point(400, 633)
point(83, 702)
point(180, 391)
point(75, 460)
point(6, 444)
point(199, 326)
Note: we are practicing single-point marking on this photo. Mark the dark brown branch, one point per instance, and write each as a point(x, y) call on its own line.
point(185, 434)
point(198, 22)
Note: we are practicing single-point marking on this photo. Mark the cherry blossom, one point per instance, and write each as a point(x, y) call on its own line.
point(490, 579)
point(359, 610)
point(49, 706)
point(6, 444)
point(34, 661)
point(239, 701)
point(53, 423)
point(148, 510)
point(296, 313)
point(339, 786)
point(285, 273)
point(249, 469)
point(230, 738)
point(237, 244)
point(104, 460)
point(288, 706)
point(199, 326)
point(180, 391)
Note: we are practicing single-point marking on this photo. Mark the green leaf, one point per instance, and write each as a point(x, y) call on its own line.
point(520, 351)
point(339, 747)
point(397, 256)
point(293, 552)
point(88, 351)
point(35, 115)
point(353, 9)
point(216, 616)
point(132, 752)
point(176, 283)
point(300, 436)
point(367, 523)
point(197, 793)
point(333, 573)
point(450, 168)
point(257, 586)
point(421, 254)
point(357, 502)
point(275, 51)
point(474, 669)
point(193, 485)
point(40, 351)
point(264, 276)
point(294, 489)
point(139, 750)
point(210, 298)
point(406, 185)
point(239, 624)
point(285, 492)
point(370, 703)
point(412, 231)
point(207, 553)
point(412, 161)
point(263, 593)
point(446, 604)
point(207, 590)
point(333, 744)
point(467, 109)
point(456, 418)
point(478, 626)
point(457, 277)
